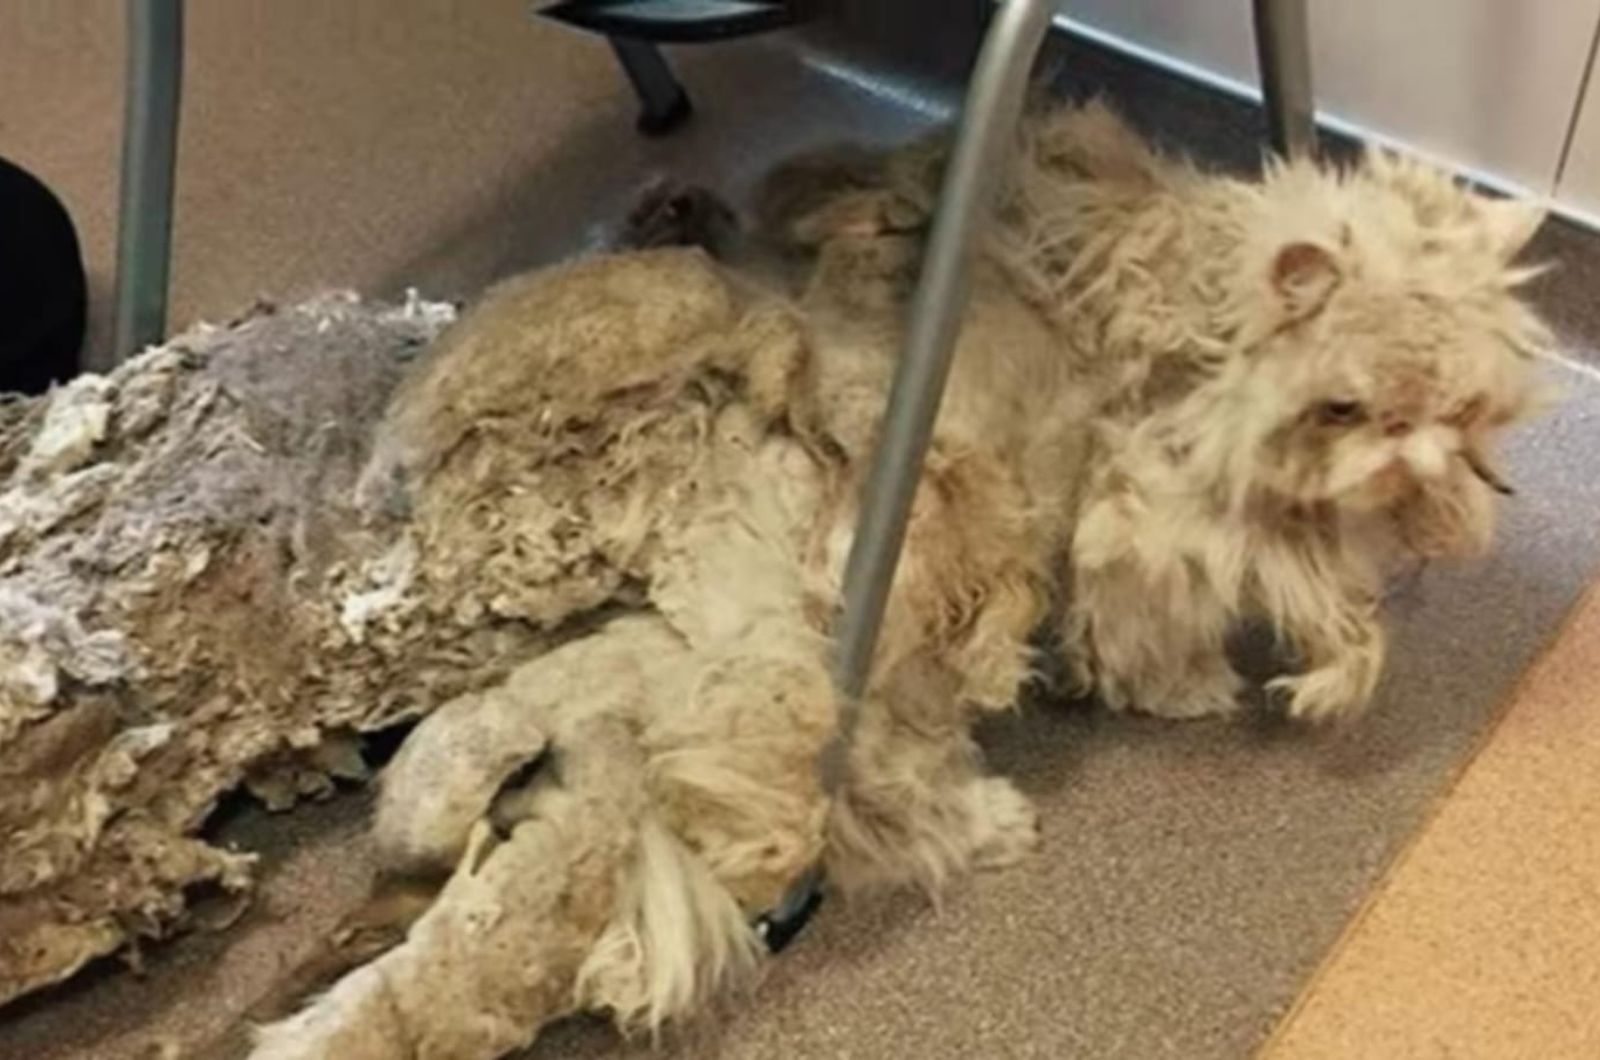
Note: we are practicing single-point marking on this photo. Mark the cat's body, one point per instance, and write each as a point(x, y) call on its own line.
point(1179, 402)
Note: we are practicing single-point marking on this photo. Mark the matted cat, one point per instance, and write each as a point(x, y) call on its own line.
point(1180, 401)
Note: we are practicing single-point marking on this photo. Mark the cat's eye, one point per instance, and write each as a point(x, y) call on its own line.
point(1468, 413)
point(1340, 413)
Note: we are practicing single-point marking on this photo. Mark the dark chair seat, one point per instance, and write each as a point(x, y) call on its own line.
point(636, 27)
point(675, 21)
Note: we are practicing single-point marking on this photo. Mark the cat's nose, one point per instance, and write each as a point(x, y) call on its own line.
point(1428, 452)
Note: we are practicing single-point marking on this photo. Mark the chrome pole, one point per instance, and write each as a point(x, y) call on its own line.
point(986, 133)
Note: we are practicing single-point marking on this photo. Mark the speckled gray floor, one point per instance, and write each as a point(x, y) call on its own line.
point(1193, 875)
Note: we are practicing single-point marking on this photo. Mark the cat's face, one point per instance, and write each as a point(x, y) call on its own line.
point(1396, 359)
point(1386, 393)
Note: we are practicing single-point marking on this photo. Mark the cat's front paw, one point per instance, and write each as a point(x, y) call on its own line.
point(1326, 694)
point(1005, 826)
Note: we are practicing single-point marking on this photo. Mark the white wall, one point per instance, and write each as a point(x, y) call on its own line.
point(1486, 85)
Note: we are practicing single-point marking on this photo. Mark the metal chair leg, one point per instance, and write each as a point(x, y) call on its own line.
point(152, 94)
point(1283, 49)
point(664, 105)
point(985, 136)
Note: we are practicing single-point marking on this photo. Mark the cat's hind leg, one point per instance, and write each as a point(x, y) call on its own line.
point(530, 801)
point(918, 808)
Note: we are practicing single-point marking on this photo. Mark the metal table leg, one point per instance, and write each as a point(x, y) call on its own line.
point(149, 162)
point(1283, 49)
point(986, 134)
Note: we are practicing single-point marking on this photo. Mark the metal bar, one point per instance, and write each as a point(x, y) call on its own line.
point(985, 136)
point(662, 101)
point(152, 94)
point(1283, 50)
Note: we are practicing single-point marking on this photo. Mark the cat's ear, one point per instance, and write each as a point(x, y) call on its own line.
point(1510, 225)
point(1304, 275)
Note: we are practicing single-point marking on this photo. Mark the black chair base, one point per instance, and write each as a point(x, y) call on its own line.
point(663, 103)
point(673, 21)
point(635, 28)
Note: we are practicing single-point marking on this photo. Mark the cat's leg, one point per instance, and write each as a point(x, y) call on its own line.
point(917, 808)
point(571, 886)
point(495, 747)
point(498, 953)
point(589, 902)
point(1146, 621)
point(1335, 626)
point(488, 758)
point(920, 808)
point(733, 762)
point(1138, 658)
point(732, 767)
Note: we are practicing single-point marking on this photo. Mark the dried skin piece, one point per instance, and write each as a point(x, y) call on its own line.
point(149, 529)
point(174, 542)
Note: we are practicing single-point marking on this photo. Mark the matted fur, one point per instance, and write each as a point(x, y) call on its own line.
point(1179, 402)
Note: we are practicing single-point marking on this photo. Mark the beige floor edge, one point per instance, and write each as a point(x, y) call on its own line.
point(1483, 938)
